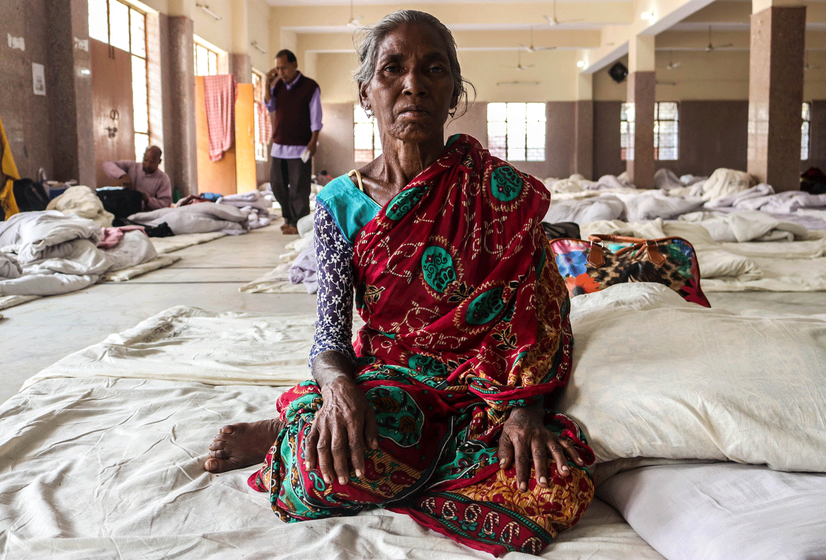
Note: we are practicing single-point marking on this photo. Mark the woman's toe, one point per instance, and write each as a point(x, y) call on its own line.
point(215, 465)
point(219, 454)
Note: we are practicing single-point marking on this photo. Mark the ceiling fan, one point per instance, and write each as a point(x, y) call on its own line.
point(531, 48)
point(519, 65)
point(809, 66)
point(712, 47)
point(553, 21)
point(354, 21)
point(671, 64)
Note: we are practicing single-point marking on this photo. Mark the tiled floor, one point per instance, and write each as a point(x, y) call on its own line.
point(37, 334)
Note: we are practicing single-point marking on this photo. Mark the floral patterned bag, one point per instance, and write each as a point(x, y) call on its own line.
point(604, 260)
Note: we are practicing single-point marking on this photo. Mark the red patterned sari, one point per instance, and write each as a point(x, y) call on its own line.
point(466, 316)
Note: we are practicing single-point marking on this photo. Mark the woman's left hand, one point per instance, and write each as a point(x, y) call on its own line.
point(526, 440)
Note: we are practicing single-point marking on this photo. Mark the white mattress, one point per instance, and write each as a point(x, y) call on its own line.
point(723, 511)
point(112, 468)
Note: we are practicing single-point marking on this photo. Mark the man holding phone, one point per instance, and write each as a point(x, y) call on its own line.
point(295, 103)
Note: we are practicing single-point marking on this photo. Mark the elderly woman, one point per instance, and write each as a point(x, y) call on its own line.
point(439, 408)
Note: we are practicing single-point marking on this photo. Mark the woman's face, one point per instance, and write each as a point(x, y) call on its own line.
point(412, 90)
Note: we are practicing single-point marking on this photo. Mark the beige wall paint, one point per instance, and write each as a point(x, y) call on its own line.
point(708, 76)
point(555, 71)
point(259, 31)
point(219, 33)
point(334, 74)
point(161, 6)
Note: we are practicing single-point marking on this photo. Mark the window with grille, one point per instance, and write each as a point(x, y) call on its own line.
point(261, 116)
point(666, 131)
point(804, 131)
point(120, 25)
point(366, 140)
point(206, 61)
point(516, 131)
point(627, 119)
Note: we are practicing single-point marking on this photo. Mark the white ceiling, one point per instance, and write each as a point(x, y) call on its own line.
point(729, 21)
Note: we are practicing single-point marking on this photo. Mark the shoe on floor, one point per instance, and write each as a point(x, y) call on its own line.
point(289, 230)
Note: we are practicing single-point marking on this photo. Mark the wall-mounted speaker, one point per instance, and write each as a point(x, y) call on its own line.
point(618, 72)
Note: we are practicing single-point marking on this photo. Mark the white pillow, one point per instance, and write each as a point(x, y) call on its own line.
point(723, 511)
point(655, 376)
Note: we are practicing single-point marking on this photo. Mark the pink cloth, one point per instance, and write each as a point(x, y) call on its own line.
point(264, 124)
point(111, 236)
point(219, 95)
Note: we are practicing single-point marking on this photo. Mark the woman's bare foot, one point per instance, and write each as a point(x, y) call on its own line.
point(240, 445)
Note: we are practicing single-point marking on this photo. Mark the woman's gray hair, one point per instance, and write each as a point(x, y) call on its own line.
point(372, 37)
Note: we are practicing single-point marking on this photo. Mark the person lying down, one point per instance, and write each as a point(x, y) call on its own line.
point(441, 408)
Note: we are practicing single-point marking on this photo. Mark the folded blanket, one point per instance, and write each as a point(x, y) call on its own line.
point(736, 199)
point(255, 199)
point(652, 204)
point(739, 227)
point(83, 202)
point(667, 179)
point(58, 254)
point(8, 267)
point(607, 207)
point(784, 202)
point(725, 182)
point(32, 235)
point(197, 218)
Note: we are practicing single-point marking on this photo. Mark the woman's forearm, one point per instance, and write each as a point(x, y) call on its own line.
point(535, 409)
point(330, 366)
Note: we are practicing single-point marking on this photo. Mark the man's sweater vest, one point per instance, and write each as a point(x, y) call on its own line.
point(292, 112)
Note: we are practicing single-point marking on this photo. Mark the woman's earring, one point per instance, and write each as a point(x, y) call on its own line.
point(369, 112)
point(452, 112)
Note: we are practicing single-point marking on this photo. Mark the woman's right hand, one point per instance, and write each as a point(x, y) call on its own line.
point(343, 428)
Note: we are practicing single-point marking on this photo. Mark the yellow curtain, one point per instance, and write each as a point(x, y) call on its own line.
point(10, 174)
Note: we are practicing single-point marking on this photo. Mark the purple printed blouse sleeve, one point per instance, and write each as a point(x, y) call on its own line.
point(334, 326)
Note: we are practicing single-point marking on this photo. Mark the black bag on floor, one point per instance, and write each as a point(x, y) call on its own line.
point(30, 195)
point(121, 202)
point(561, 229)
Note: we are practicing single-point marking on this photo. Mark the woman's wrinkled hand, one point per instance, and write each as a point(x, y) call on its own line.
point(526, 440)
point(342, 429)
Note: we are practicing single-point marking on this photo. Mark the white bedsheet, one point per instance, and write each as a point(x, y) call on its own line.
point(112, 468)
point(101, 454)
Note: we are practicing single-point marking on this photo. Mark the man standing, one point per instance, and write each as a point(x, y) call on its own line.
point(145, 178)
point(295, 102)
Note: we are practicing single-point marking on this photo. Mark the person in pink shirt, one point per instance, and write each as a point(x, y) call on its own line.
point(145, 178)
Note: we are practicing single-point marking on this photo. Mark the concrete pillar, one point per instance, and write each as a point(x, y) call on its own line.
point(157, 34)
point(641, 92)
point(776, 95)
point(69, 89)
point(241, 67)
point(584, 131)
point(239, 59)
point(180, 113)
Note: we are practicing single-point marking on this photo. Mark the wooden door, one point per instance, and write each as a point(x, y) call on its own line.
point(213, 176)
point(113, 126)
point(245, 139)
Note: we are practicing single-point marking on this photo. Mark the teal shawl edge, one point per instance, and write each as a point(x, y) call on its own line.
point(349, 207)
